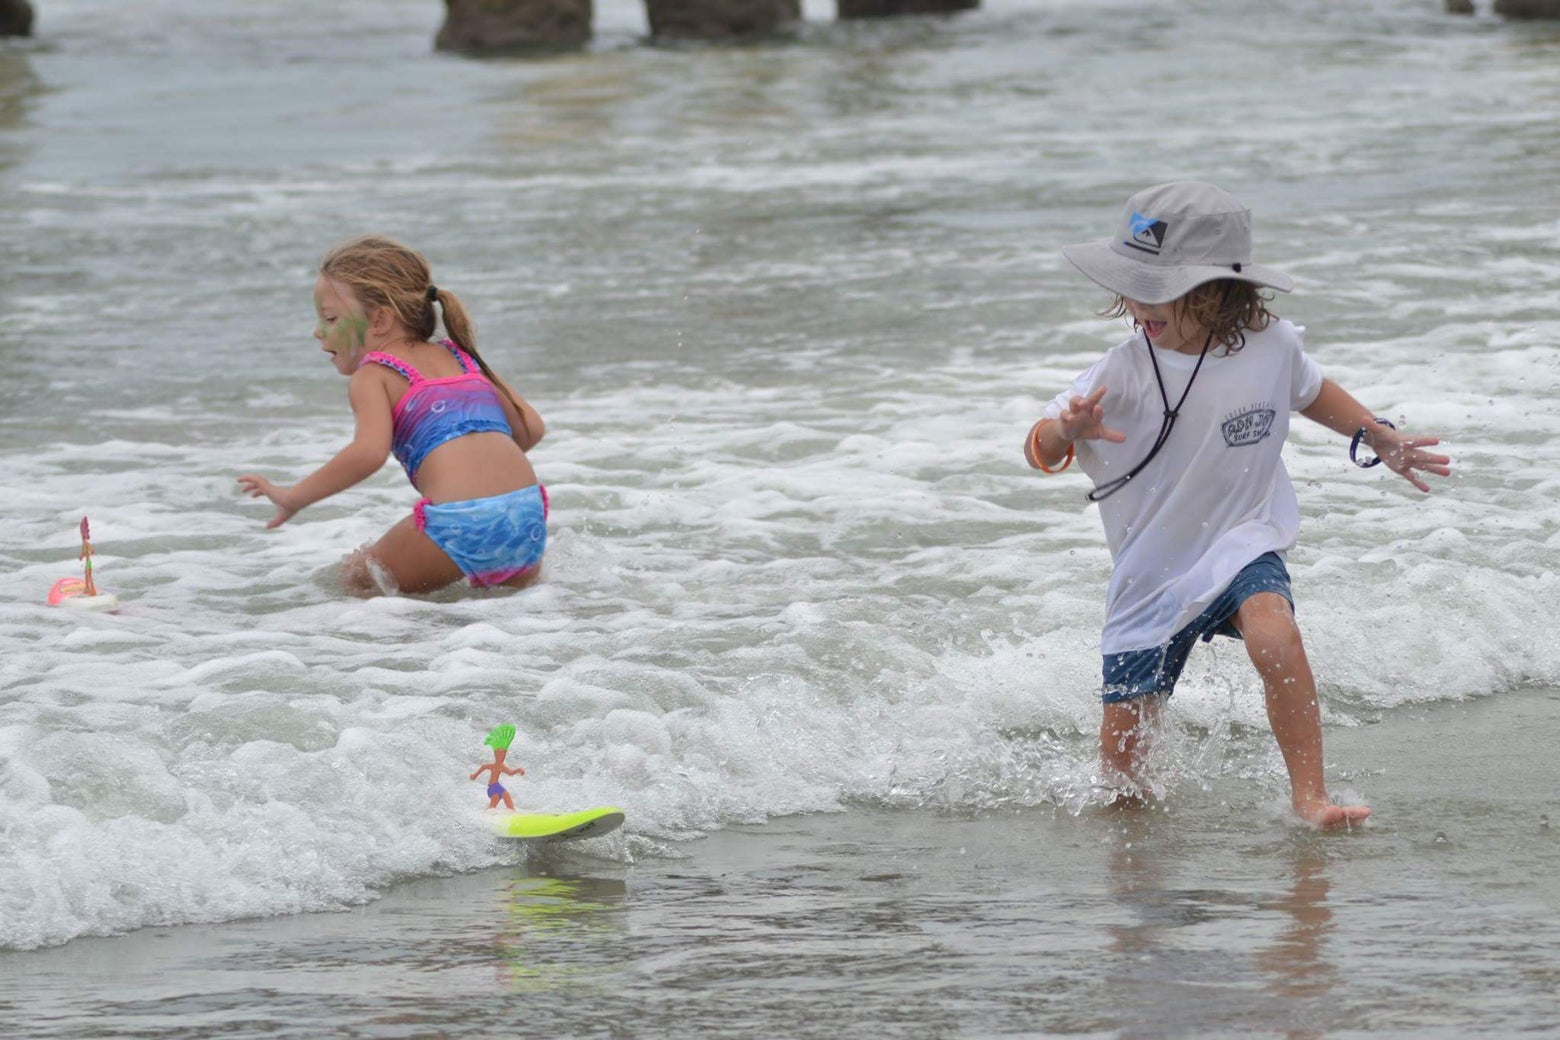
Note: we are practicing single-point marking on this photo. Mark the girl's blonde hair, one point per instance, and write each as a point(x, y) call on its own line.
point(381, 272)
point(1228, 307)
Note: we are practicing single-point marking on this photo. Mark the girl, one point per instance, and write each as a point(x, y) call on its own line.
point(1197, 507)
point(458, 430)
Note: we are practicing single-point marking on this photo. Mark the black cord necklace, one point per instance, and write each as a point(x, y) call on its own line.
point(1166, 424)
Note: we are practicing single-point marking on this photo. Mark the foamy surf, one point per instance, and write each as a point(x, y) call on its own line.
point(797, 563)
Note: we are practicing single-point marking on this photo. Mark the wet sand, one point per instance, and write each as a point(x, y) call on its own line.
point(1210, 916)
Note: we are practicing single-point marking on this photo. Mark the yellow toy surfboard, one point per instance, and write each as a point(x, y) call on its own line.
point(534, 826)
point(586, 823)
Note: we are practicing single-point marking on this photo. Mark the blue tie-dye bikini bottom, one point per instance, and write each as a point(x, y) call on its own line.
point(493, 539)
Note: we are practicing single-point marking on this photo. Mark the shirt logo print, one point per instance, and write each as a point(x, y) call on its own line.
point(1249, 427)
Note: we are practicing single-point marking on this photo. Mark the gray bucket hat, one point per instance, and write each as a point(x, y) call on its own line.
point(1173, 238)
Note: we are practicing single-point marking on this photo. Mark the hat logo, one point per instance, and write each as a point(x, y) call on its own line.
point(1147, 233)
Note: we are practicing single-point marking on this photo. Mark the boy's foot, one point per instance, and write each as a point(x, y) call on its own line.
point(1326, 816)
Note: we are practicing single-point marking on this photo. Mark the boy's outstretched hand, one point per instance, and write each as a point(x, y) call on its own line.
point(1084, 420)
point(1402, 455)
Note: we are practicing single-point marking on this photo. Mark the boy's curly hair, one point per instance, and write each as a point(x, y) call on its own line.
point(1227, 306)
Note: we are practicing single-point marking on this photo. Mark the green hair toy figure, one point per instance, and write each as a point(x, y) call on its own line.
point(499, 738)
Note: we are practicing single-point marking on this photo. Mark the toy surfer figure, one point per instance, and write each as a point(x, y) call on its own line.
point(499, 739)
point(85, 556)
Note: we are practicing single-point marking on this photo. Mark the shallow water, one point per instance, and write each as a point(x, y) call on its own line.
point(788, 311)
point(1212, 918)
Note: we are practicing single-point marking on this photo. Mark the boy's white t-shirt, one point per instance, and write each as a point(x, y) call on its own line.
point(1216, 496)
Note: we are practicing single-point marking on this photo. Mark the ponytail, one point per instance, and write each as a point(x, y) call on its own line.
point(458, 327)
point(381, 272)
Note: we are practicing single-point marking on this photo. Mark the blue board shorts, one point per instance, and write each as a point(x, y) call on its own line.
point(493, 539)
point(1137, 673)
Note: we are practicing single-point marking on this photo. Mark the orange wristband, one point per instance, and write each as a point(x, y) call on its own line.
point(1034, 449)
point(1065, 462)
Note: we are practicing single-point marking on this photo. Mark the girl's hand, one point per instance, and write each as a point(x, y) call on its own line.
point(1402, 455)
point(1084, 420)
point(254, 486)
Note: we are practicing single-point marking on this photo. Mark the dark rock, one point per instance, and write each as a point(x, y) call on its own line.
point(1528, 8)
point(16, 18)
point(511, 26)
point(891, 8)
point(719, 19)
point(1459, 7)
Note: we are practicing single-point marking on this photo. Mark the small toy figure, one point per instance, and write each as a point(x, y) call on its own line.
point(82, 593)
point(85, 556)
point(499, 739)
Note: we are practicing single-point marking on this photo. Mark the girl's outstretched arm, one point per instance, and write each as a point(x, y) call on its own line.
point(356, 462)
point(525, 421)
point(1336, 409)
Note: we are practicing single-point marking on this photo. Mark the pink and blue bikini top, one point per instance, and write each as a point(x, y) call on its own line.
point(433, 411)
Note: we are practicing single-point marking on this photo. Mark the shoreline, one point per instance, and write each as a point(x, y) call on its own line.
point(1209, 915)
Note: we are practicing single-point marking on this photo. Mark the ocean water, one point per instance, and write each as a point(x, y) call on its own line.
point(788, 310)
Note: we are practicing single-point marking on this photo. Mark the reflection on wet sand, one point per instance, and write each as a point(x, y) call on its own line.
point(1179, 946)
point(600, 101)
point(19, 90)
point(1295, 961)
point(1161, 964)
point(19, 87)
point(556, 932)
point(604, 99)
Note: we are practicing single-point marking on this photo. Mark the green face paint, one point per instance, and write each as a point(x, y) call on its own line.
point(346, 334)
point(355, 328)
point(342, 328)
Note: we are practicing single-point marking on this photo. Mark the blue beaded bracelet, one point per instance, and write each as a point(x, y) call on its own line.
point(1359, 437)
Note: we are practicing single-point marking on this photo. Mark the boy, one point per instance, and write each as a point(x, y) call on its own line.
point(1197, 506)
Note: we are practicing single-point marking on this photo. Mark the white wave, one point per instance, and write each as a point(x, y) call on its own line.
point(788, 312)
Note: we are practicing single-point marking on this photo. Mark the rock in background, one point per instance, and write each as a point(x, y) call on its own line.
point(890, 8)
point(719, 19)
point(16, 18)
point(511, 26)
point(1528, 8)
point(1510, 8)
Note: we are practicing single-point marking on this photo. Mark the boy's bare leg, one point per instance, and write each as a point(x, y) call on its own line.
point(1124, 732)
point(1272, 637)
